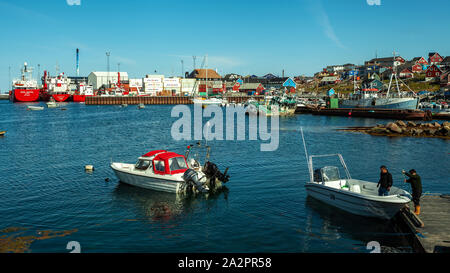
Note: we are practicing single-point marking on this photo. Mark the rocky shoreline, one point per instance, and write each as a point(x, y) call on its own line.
point(406, 129)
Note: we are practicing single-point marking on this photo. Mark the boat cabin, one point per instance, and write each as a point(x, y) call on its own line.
point(162, 162)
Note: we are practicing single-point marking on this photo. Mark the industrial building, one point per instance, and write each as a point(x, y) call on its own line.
point(99, 78)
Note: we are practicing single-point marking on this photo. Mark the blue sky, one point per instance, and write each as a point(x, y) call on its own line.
point(245, 36)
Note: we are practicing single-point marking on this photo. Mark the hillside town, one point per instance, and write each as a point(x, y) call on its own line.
point(423, 74)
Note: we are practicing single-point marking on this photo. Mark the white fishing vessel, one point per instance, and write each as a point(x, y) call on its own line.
point(352, 195)
point(374, 99)
point(35, 108)
point(166, 171)
point(208, 101)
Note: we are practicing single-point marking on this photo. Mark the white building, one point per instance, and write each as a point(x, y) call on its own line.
point(153, 84)
point(99, 78)
point(187, 87)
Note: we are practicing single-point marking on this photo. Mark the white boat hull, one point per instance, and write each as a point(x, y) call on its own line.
point(145, 181)
point(384, 207)
point(208, 101)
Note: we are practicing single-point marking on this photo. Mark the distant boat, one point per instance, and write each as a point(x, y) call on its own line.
point(2, 133)
point(141, 106)
point(35, 108)
point(52, 104)
point(369, 98)
point(208, 101)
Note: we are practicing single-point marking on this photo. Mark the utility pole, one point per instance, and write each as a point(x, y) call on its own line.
point(194, 57)
point(107, 67)
point(39, 75)
point(182, 69)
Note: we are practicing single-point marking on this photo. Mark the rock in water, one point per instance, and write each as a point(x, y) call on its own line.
point(394, 128)
point(411, 124)
point(400, 123)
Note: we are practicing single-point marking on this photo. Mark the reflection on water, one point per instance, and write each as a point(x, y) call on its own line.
point(337, 224)
point(154, 206)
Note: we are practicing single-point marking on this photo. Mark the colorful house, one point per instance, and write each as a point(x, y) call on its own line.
point(432, 73)
point(434, 58)
point(251, 87)
point(406, 73)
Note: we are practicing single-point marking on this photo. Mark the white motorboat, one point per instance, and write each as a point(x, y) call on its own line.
point(352, 195)
point(141, 106)
point(208, 101)
point(166, 171)
point(35, 108)
point(52, 104)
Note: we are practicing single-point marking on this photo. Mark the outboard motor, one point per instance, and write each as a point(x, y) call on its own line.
point(191, 180)
point(212, 172)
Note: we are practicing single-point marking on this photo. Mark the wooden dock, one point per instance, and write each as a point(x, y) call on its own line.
point(98, 100)
point(431, 230)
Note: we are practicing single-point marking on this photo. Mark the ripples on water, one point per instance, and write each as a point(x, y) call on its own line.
point(264, 209)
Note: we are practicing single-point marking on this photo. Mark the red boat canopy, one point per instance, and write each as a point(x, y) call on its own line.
point(169, 163)
point(152, 153)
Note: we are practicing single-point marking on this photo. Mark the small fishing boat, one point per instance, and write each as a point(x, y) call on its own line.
point(35, 108)
point(124, 105)
point(2, 133)
point(141, 106)
point(352, 195)
point(166, 171)
point(52, 104)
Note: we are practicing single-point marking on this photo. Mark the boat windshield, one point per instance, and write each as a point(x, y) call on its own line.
point(330, 173)
point(177, 163)
point(142, 164)
point(159, 166)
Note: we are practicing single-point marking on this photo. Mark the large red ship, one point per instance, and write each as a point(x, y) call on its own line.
point(57, 88)
point(82, 92)
point(26, 88)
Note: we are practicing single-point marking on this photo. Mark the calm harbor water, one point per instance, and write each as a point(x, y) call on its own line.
point(43, 185)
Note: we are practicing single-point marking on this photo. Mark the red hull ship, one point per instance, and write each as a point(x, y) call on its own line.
point(25, 95)
point(83, 92)
point(61, 97)
point(25, 89)
point(56, 88)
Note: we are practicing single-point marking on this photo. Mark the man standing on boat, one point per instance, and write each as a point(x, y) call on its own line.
point(385, 182)
point(416, 186)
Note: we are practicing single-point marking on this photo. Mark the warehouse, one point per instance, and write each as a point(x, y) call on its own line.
point(99, 78)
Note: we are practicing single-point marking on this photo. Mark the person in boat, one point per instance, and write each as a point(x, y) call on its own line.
point(385, 182)
point(416, 186)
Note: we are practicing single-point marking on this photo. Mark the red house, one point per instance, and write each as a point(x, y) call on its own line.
point(417, 68)
point(422, 61)
point(434, 58)
point(406, 73)
point(432, 72)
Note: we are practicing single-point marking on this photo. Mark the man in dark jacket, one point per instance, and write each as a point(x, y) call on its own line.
point(385, 182)
point(416, 186)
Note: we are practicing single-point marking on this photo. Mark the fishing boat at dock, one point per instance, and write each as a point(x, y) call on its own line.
point(57, 88)
point(352, 195)
point(372, 98)
point(82, 92)
point(167, 171)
